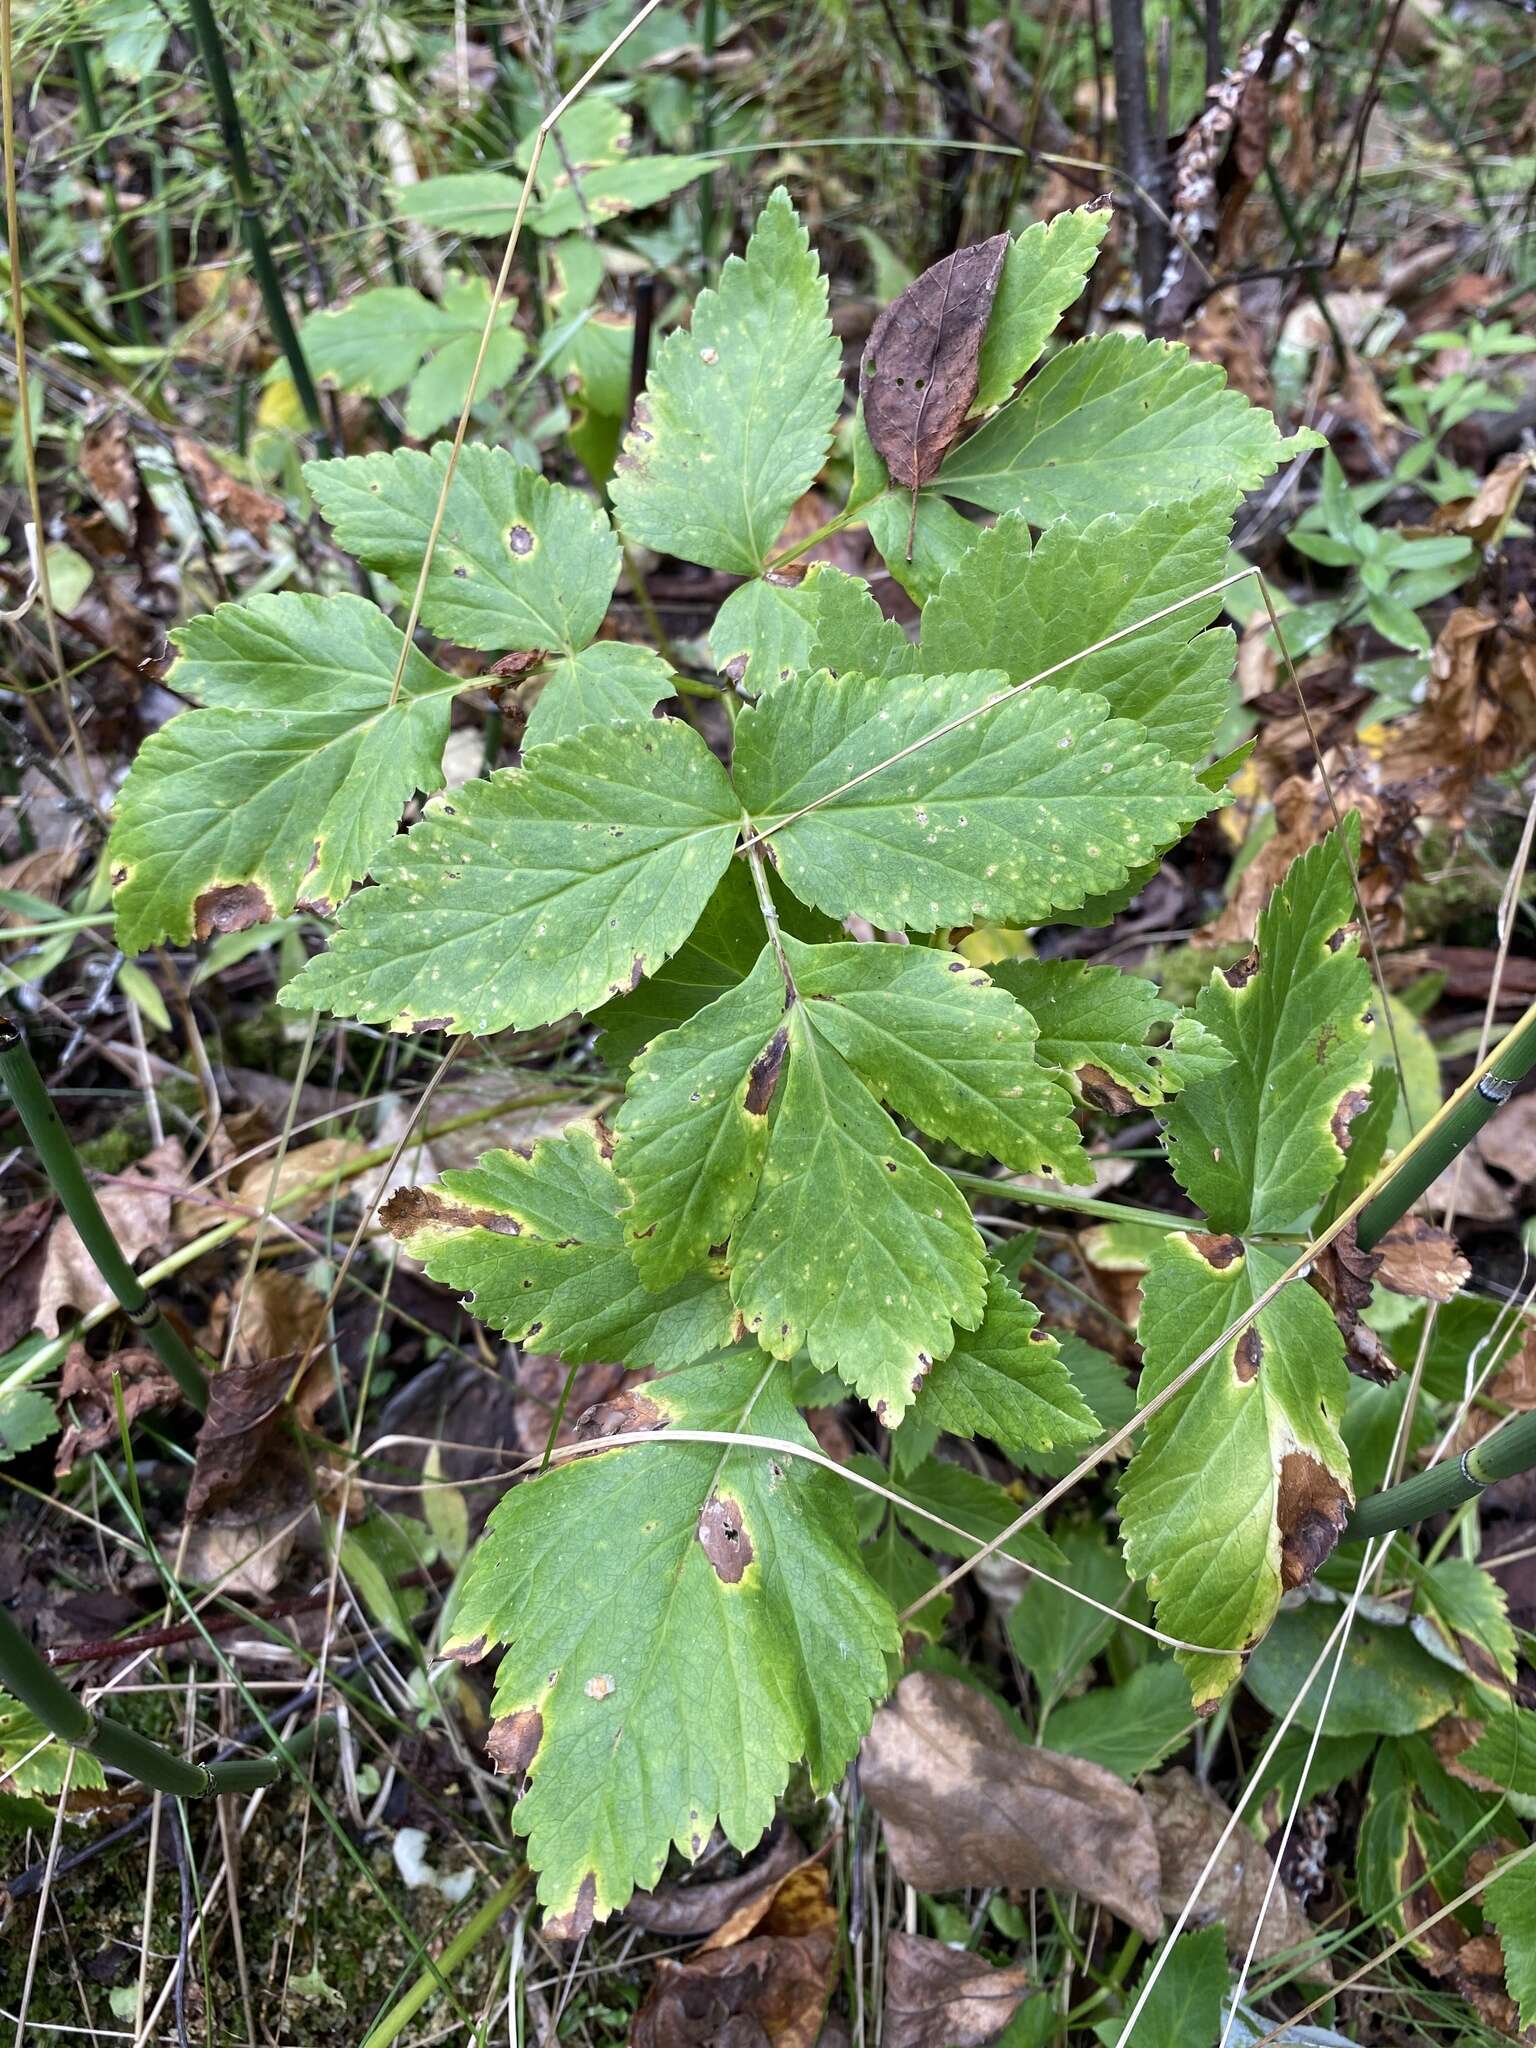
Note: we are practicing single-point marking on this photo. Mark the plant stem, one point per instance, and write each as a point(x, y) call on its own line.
point(1444, 1486)
point(61, 1163)
point(1080, 1205)
point(1515, 1060)
point(1133, 117)
point(704, 141)
point(122, 255)
point(28, 1678)
point(248, 199)
point(404, 2010)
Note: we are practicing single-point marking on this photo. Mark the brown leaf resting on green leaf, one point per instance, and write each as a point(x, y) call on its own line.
point(940, 1997)
point(922, 359)
point(964, 1803)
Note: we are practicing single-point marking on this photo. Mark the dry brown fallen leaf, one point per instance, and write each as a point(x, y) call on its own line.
point(1475, 1964)
point(1418, 1258)
point(86, 1388)
point(1342, 1274)
point(235, 503)
point(1479, 711)
point(244, 1453)
point(22, 1254)
point(253, 1487)
point(1485, 516)
point(701, 1908)
point(314, 1166)
point(920, 366)
point(771, 1986)
point(1187, 1821)
point(1476, 1195)
point(964, 1802)
point(137, 1205)
point(940, 1997)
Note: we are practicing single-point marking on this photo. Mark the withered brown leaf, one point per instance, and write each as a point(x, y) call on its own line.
point(920, 365)
point(1188, 1821)
point(771, 1986)
point(940, 1997)
point(964, 1802)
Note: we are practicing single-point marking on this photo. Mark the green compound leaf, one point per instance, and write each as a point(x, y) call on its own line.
point(1023, 608)
point(738, 412)
point(564, 1281)
point(393, 336)
point(857, 1249)
point(683, 1623)
point(1258, 1145)
point(292, 778)
point(595, 138)
point(924, 1031)
point(1006, 1381)
point(520, 563)
point(586, 173)
point(1510, 1903)
point(1115, 424)
point(1020, 810)
point(539, 891)
point(612, 682)
point(765, 631)
point(1043, 273)
point(1106, 1018)
point(1241, 1483)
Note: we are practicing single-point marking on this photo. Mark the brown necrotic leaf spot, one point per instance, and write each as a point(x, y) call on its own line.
point(920, 367)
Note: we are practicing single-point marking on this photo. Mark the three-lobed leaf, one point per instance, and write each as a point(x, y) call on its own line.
point(924, 1031)
point(519, 564)
point(682, 1622)
point(395, 336)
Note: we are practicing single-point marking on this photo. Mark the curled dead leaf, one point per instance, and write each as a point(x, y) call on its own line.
point(235, 503)
point(964, 1802)
point(1342, 1274)
point(940, 1997)
point(88, 1393)
point(770, 1986)
point(700, 1908)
